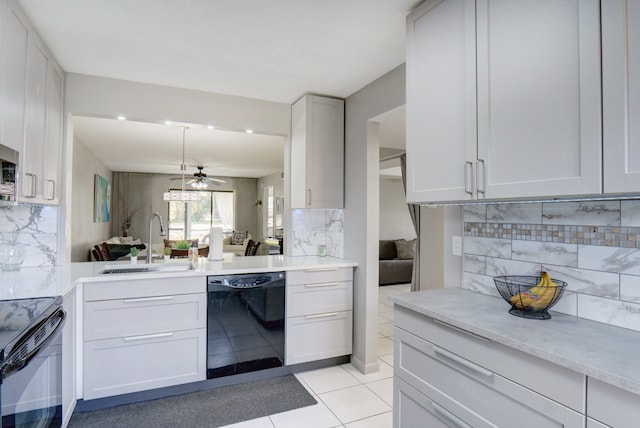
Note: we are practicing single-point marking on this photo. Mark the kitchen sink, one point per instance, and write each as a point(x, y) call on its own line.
point(145, 268)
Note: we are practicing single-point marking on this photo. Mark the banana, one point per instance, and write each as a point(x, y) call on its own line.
point(537, 297)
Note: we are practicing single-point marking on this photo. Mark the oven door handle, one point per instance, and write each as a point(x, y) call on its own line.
point(16, 364)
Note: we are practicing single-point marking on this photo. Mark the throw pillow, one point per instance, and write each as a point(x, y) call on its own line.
point(387, 250)
point(238, 237)
point(405, 249)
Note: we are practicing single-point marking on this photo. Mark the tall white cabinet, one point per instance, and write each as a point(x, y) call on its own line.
point(317, 152)
point(503, 99)
point(31, 106)
point(621, 95)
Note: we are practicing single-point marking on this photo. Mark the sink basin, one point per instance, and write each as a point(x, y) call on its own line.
point(145, 268)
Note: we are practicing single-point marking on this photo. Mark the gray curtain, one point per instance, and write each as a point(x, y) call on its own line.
point(414, 211)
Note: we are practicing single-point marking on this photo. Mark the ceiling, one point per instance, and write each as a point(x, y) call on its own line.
point(274, 50)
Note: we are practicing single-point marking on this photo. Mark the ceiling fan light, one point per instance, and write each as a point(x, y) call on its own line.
point(181, 196)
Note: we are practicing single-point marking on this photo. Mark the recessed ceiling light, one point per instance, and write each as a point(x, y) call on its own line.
point(122, 118)
point(167, 122)
point(249, 131)
point(210, 126)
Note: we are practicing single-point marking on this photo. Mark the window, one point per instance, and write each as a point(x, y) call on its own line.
point(191, 220)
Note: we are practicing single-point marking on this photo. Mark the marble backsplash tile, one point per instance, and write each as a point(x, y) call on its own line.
point(314, 227)
point(37, 229)
point(593, 246)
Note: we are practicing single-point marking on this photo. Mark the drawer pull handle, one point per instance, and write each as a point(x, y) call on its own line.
point(463, 362)
point(450, 417)
point(321, 269)
point(148, 299)
point(468, 333)
point(327, 315)
point(147, 336)
point(324, 284)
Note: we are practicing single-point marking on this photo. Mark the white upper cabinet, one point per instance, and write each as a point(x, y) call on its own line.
point(441, 101)
point(31, 106)
point(621, 95)
point(539, 105)
point(14, 31)
point(528, 74)
point(317, 153)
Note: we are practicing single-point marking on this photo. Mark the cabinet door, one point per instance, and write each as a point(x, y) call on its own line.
point(611, 405)
point(317, 153)
point(621, 95)
point(417, 410)
point(441, 101)
point(33, 151)
point(539, 102)
point(53, 135)
point(318, 336)
point(69, 361)
point(14, 32)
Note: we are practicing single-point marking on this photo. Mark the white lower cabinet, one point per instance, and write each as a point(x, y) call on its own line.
point(145, 334)
point(592, 423)
point(319, 319)
point(460, 379)
point(609, 406)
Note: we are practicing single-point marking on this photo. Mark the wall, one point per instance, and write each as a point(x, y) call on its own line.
point(593, 246)
point(277, 181)
point(85, 233)
point(145, 197)
point(361, 212)
point(395, 221)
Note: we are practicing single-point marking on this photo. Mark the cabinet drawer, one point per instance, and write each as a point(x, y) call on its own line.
point(319, 298)
point(562, 385)
point(123, 365)
point(611, 405)
point(123, 289)
point(455, 382)
point(413, 409)
point(318, 275)
point(314, 337)
point(144, 315)
point(592, 423)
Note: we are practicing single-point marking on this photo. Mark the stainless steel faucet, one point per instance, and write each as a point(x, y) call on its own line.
point(149, 250)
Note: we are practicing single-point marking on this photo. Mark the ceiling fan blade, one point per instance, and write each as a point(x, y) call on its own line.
point(216, 180)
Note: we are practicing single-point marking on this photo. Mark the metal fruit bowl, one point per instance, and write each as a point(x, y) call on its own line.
point(527, 298)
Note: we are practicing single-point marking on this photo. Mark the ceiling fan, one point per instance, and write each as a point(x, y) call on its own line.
point(200, 179)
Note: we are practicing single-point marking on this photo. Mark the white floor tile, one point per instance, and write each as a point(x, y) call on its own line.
point(385, 346)
point(384, 420)
point(318, 416)
point(388, 316)
point(384, 372)
point(352, 404)
point(386, 329)
point(253, 423)
point(383, 309)
point(328, 379)
point(383, 389)
point(387, 359)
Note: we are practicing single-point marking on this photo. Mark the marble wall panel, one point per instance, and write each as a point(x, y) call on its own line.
point(313, 227)
point(37, 229)
point(487, 247)
point(630, 213)
point(610, 259)
point(630, 288)
point(514, 213)
point(475, 213)
point(545, 252)
point(595, 283)
point(600, 213)
point(610, 311)
point(480, 283)
point(500, 267)
point(474, 264)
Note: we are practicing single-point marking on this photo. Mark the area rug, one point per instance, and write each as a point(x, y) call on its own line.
point(211, 408)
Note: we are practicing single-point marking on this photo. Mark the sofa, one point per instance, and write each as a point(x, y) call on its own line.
point(396, 261)
point(236, 243)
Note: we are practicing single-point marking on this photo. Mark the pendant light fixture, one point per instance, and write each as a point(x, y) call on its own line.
point(182, 195)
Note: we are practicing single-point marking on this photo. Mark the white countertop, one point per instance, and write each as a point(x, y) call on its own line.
point(59, 280)
point(598, 350)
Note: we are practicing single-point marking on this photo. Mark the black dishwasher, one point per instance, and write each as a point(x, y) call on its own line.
point(245, 323)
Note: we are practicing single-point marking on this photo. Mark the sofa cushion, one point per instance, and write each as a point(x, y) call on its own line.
point(238, 237)
point(387, 250)
point(405, 249)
